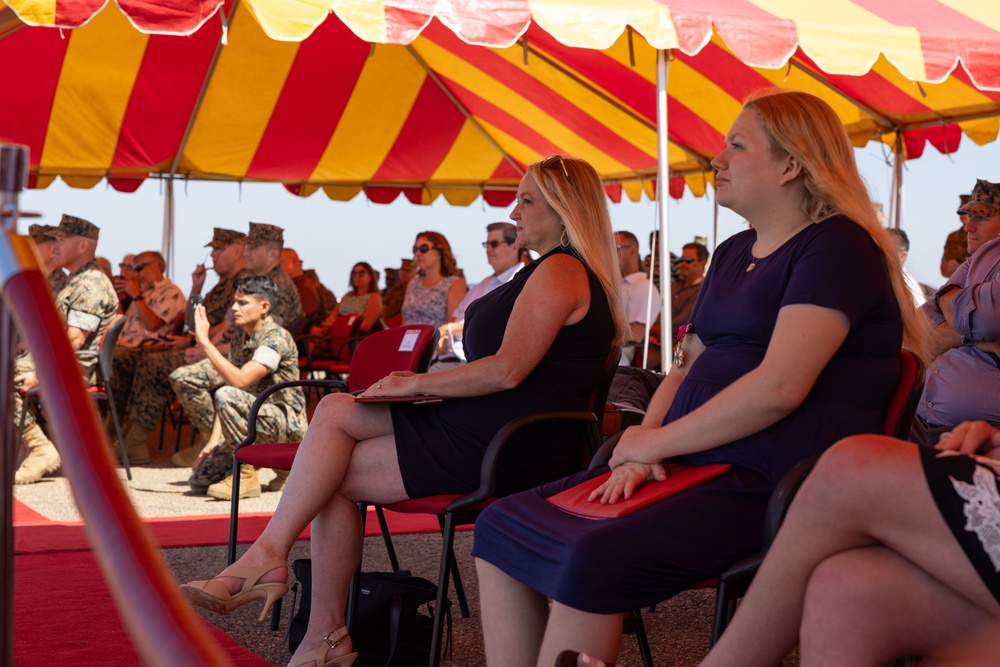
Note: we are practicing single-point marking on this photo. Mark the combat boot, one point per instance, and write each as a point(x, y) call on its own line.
point(187, 456)
point(249, 485)
point(136, 446)
point(42, 456)
point(278, 483)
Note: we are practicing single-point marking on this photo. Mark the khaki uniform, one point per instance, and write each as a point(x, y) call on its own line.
point(282, 418)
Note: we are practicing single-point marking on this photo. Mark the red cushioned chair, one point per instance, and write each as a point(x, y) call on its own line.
point(100, 390)
point(732, 584)
point(455, 509)
point(376, 356)
point(330, 354)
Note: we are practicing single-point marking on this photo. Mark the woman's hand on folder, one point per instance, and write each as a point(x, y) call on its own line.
point(626, 478)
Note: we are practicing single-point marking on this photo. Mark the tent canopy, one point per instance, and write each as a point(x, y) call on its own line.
point(455, 97)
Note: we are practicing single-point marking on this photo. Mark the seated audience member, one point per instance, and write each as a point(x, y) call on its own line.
point(88, 305)
point(636, 299)
point(262, 256)
point(767, 377)
point(151, 384)
point(362, 298)
point(684, 292)
point(261, 354)
point(105, 264)
point(125, 274)
point(506, 259)
point(956, 249)
point(45, 240)
point(962, 379)
point(887, 550)
point(327, 299)
point(550, 327)
point(393, 295)
point(292, 266)
point(156, 305)
point(438, 288)
point(903, 249)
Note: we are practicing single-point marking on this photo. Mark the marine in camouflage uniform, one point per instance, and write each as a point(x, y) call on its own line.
point(327, 299)
point(956, 246)
point(289, 305)
point(282, 418)
point(262, 256)
point(143, 406)
point(87, 303)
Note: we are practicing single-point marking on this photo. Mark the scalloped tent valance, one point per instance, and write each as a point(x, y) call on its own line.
point(453, 98)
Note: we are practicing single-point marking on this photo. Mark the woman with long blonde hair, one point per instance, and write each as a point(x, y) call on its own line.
point(793, 344)
point(537, 343)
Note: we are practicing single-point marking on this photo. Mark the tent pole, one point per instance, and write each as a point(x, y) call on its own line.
point(662, 196)
point(897, 179)
point(168, 227)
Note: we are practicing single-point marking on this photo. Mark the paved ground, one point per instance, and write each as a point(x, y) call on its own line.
point(678, 629)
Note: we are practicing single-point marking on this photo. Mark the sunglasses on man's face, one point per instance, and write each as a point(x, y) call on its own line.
point(687, 260)
point(422, 248)
point(139, 267)
point(494, 244)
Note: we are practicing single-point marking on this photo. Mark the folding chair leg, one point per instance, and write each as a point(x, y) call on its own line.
point(725, 607)
point(386, 536)
point(448, 533)
point(463, 604)
point(641, 639)
point(118, 427)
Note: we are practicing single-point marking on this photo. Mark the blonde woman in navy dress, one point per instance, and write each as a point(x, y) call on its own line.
point(796, 342)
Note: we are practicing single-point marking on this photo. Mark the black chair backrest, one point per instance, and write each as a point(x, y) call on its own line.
point(600, 398)
point(106, 358)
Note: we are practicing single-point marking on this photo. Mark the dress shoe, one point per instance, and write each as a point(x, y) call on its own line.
point(318, 657)
point(213, 595)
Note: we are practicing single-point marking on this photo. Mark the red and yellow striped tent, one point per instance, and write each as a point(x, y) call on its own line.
point(453, 97)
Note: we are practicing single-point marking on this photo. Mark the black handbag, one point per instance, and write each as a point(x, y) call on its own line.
point(388, 627)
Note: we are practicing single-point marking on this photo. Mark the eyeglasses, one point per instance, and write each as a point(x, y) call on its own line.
point(494, 244)
point(549, 161)
point(139, 267)
point(423, 248)
point(359, 272)
point(622, 247)
point(687, 260)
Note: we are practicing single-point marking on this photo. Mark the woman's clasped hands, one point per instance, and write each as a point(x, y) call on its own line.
point(630, 466)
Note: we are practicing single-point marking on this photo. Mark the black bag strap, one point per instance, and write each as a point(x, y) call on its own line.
point(394, 618)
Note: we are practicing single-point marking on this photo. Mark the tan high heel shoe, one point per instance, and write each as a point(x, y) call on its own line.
point(214, 596)
point(317, 658)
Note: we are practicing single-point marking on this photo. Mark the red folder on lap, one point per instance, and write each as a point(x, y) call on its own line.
point(679, 477)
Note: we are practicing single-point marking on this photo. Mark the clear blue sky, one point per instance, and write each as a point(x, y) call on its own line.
point(330, 236)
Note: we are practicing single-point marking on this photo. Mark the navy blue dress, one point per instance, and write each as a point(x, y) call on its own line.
point(440, 446)
point(616, 565)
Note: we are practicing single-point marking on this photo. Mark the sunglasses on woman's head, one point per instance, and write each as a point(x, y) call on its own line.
point(551, 161)
point(422, 248)
point(494, 244)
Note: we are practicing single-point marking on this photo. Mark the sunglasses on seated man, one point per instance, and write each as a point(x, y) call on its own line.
point(494, 244)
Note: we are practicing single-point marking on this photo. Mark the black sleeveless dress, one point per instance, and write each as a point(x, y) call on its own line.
point(440, 446)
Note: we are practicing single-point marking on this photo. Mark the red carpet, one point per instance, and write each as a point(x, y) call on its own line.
point(33, 533)
point(63, 614)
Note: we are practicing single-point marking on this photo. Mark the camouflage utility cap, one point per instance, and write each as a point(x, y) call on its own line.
point(223, 238)
point(74, 226)
point(263, 233)
point(985, 200)
point(407, 265)
point(42, 233)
